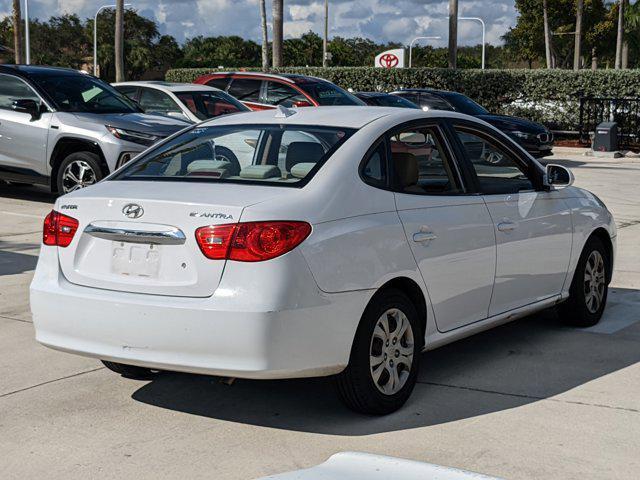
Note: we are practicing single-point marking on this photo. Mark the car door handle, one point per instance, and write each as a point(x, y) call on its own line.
point(420, 237)
point(507, 226)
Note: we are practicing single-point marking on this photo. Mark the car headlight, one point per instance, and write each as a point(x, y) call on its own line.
point(146, 139)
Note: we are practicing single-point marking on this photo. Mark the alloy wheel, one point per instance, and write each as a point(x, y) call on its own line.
point(594, 281)
point(391, 351)
point(78, 174)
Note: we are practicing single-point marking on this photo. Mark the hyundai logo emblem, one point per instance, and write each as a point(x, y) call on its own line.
point(132, 210)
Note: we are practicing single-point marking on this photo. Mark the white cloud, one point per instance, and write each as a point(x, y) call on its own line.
point(380, 20)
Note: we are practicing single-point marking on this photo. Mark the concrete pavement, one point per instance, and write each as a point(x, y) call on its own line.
point(529, 400)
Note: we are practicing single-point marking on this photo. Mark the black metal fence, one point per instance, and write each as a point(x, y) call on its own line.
point(624, 111)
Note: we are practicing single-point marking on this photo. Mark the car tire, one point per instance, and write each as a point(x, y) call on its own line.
point(78, 170)
point(369, 387)
point(589, 288)
point(130, 371)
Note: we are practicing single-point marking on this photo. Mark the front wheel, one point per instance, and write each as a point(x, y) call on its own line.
point(589, 288)
point(78, 170)
point(385, 356)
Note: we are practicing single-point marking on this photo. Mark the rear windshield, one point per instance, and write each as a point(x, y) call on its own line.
point(264, 154)
point(329, 94)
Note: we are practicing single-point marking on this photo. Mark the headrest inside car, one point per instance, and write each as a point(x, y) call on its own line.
point(301, 170)
point(303, 152)
point(260, 172)
point(406, 165)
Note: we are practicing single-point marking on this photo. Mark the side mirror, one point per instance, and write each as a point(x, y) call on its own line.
point(558, 176)
point(302, 103)
point(29, 106)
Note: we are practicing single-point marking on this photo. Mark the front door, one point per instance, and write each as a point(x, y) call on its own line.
point(23, 139)
point(450, 233)
point(533, 227)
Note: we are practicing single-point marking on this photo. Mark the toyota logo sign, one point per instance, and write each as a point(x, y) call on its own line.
point(388, 60)
point(132, 210)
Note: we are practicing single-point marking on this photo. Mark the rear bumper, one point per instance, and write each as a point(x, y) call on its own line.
point(221, 335)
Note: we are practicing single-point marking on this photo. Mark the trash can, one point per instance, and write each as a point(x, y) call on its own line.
point(605, 138)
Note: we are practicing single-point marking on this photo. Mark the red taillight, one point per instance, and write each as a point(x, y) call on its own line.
point(251, 241)
point(58, 229)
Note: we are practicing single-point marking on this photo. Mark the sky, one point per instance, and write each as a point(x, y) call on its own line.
point(379, 20)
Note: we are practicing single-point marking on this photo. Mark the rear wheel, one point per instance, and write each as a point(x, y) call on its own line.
point(589, 288)
point(78, 170)
point(385, 356)
point(130, 371)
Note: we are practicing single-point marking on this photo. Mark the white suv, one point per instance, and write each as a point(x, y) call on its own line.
point(346, 241)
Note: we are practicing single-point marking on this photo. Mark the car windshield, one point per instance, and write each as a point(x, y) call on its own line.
point(393, 101)
point(208, 104)
point(265, 154)
point(328, 94)
point(464, 104)
point(83, 93)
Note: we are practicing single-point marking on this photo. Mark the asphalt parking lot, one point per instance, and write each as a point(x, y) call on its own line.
point(530, 400)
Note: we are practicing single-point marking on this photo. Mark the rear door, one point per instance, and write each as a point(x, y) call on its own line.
point(449, 231)
point(533, 227)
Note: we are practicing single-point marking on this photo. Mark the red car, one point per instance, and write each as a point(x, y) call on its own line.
point(261, 91)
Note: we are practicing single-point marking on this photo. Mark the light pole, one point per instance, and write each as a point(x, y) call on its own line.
point(27, 46)
point(95, 34)
point(477, 19)
point(326, 33)
point(414, 41)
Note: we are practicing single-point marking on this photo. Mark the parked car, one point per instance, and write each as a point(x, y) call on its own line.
point(534, 137)
point(351, 239)
point(261, 91)
point(186, 101)
point(67, 129)
point(381, 99)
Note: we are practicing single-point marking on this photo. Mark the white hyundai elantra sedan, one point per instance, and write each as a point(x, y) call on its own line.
point(331, 241)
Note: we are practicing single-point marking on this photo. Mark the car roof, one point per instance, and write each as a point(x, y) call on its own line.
point(351, 116)
point(285, 77)
point(26, 70)
point(169, 86)
point(427, 90)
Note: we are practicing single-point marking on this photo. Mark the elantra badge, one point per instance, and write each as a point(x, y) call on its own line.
point(132, 210)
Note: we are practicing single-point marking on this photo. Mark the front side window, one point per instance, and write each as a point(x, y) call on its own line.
point(329, 94)
point(82, 93)
point(155, 101)
point(210, 104)
point(497, 170)
point(246, 89)
point(421, 164)
point(12, 89)
point(266, 154)
point(281, 94)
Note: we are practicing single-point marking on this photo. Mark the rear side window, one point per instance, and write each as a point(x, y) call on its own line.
point(265, 154)
point(220, 83)
point(328, 94)
point(246, 89)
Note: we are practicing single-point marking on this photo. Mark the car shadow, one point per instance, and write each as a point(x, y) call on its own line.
point(14, 260)
point(33, 193)
point(506, 367)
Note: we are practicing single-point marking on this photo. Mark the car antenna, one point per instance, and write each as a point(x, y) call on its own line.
point(284, 112)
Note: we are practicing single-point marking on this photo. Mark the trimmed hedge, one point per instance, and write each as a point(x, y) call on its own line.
point(550, 96)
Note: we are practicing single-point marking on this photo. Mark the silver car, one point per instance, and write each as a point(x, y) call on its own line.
point(68, 129)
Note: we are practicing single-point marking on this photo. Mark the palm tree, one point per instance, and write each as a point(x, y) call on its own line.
point(453, 33)
point(547, 33)
point(278, 7)
point(119, 41)
point(620, 36)
point(17, 31)
point(577, 47)
point(265, 35)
